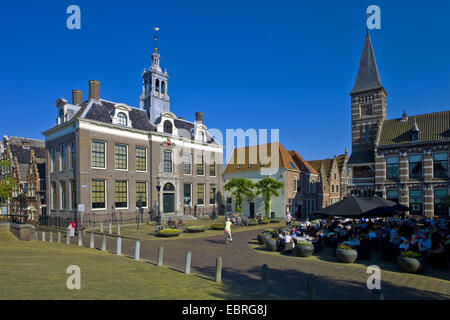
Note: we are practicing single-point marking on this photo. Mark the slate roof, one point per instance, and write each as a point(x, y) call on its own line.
point(188, 126)
point(368, 77)
point(328, 164)
point(302, 164)
point(433, 127)
point(23, 154)
point(102, 111)
point(361, 157)
point(285, 159)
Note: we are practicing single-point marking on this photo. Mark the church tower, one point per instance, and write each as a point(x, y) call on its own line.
point(154, 97)
point(368, 101)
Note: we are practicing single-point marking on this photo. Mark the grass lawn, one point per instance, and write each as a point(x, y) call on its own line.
point(146, 230)
point(37, 270)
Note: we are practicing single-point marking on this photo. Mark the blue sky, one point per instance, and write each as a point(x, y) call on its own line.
point(287, 65)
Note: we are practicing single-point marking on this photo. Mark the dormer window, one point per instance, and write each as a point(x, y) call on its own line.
point(121, 115)
point(414, 136)
point(168, 127)
point(122, 119)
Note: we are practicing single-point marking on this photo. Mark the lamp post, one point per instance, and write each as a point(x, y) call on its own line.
point(214, 214)
point(158, 218)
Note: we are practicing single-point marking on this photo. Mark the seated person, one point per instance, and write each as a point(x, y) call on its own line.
point(288, 243)
point(437, 254)
point(294, 237)
point(413, 243)
point(334, 244)
point(280, 242)
point(404, 245)
point(424, 244)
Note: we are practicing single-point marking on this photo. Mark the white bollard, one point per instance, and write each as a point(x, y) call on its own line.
point(80, 238)
point(119, 246)
point(92, 241)
point(187, 266)
point(51, 237)
point(110, 228)
point(101, 227)
point(59, 237)
point(137, 251)
point(118, 229)
point(104, 243)
point(68, 237)
point(43, 236)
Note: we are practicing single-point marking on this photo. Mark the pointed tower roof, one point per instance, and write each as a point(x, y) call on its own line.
point(368, 77)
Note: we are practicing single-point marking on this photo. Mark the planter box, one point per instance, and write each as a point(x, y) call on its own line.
point(346, 256)
point(218, 227)
point(271, 244)
point(411, 265)
point(304, 250)
point(168, 235)
point(196, 230)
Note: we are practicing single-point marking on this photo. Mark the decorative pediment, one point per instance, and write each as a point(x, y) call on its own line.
point(168, 143)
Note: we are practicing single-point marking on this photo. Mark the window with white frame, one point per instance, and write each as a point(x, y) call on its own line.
point(168, 166)
point(187, 161)
point(122, 119)
point(121, 156)
point(98, 155)
point(141, 159)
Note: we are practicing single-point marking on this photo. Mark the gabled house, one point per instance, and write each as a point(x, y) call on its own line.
point(28, 168)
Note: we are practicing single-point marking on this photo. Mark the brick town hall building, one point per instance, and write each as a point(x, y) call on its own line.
point(110, 156)
point(405, 160)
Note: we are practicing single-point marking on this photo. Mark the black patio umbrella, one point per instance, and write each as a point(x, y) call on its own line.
point(355, 207)
point(387, 203)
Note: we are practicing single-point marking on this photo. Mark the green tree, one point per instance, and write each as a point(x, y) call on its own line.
point(241, 189)
point(6, 181)
point(268, 188)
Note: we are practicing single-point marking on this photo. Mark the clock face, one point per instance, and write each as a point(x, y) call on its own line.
point(365, 109)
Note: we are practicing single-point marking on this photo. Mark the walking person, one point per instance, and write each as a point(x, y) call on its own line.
point(228, 225)
point(71, 228)
point(288, 217)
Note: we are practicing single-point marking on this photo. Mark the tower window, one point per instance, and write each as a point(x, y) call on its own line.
point(157, 85)
point(168, 127)
point(122, 119)
point(163, 88)
point(61, 115)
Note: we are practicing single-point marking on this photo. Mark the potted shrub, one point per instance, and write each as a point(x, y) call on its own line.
point(284, 229)
point(218, 226)
point(196, 229)
point(271, 244)
point(304, 248)
point(346, 254)
point(264, 221)
point(411, 261)
point(169, 233)
point(266, 234)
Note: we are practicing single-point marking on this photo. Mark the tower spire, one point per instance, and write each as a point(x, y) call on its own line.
point(368, 77)
point(155, 35)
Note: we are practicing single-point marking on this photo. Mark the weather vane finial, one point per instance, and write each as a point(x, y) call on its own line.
point(155, 35)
